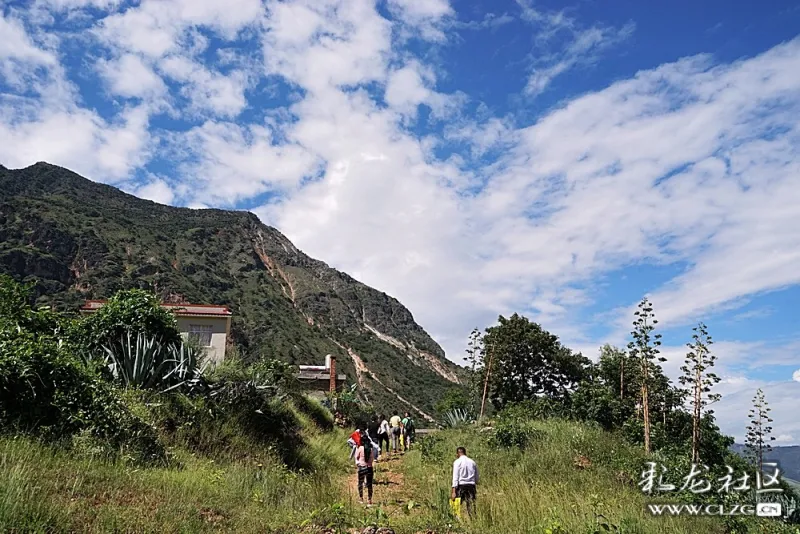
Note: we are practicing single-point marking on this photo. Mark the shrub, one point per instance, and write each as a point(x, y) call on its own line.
point(148, 363)
point(134, 311)
point(513, 427)
point(349, 408)
point(456, 418)
point(509, 433)
point(432, 448)
point(45, 391)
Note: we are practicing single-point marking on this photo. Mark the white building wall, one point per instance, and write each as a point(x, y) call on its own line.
point(220, 328)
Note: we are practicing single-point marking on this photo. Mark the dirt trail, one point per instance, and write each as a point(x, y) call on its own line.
point(389, 491)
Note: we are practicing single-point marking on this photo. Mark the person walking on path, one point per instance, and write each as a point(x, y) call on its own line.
point(372, 433)
point(465, 479)
point(395, 423)
point(409, 431)
point(383, 434)
point(354, 441)
point(365, 455)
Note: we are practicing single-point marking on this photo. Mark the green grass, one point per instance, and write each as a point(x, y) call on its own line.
point(45, 489)
point(541, 490)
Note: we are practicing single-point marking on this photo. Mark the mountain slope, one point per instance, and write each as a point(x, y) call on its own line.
point(787, 457)
point(79, 239)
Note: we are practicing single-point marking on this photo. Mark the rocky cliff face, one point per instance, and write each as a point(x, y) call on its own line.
point(78, 239)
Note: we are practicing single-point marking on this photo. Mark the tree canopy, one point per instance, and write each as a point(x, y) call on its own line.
point(529, 362)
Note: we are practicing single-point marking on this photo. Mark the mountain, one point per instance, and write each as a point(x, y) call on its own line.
point(79, 239)
point(788, 459)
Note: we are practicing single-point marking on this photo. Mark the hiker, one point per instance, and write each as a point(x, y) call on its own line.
point(395, 423)
point(354, 441)
point(409, 430)
point(383, 433)
point(364, 458)
point(372, 433)
point(465, 478)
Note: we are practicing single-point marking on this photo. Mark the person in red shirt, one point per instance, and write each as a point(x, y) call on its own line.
point(365, 456)
point(354, 441)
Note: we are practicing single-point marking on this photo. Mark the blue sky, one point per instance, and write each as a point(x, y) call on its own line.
point(470, 158)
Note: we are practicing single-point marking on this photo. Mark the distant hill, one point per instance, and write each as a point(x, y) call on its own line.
point(80, 239)
point(788, 459)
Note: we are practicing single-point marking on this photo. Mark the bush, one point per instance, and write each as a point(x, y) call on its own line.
point(456, 418)
point(431, 448)
point(508, 433)
point(513, 426)
point(148, 363)
point(133, 311)
point(44, 391)
point(349, 408)
point(16, 312)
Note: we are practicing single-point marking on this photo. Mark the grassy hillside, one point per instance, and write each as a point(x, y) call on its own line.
point(78, 239)
point(571, 479)
point(45, 488)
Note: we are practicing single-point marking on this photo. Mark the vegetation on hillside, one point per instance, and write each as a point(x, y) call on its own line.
point(241, 450)
point(79, 240)
point(527, 374)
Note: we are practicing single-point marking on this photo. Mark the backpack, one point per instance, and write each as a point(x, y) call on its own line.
point(410, 427)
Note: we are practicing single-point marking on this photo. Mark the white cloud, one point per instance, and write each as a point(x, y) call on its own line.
point(230, 162)
point(20, 56)
point(17, 44)
point(208, 90)
point(319, 44)
point(490, 21)
point(408, 87)
point(688, 162)
point(424, 17)
point(157, 190)
point(796, 376)
point(129, 76)
point(66, 5)
point(155, 28)
point(76, 139)
point(583, 45)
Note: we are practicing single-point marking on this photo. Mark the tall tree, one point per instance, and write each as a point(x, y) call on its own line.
point(759, 432)
point(486, 381)
point(644, 350)
point(475, 353)
point(699, 379)
point(529, 362)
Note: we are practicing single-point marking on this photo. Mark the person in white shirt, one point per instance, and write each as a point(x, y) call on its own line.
point(383, 434)
point(465, 478)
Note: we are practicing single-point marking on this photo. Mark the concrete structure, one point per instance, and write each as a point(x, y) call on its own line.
point(208, 325)
point(318, 380)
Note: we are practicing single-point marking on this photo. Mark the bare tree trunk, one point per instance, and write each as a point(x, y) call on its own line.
point(760, 444)
point(646, 416)
point(646, 407)
point(696, 419)
point(621, 377)
point(486, 381)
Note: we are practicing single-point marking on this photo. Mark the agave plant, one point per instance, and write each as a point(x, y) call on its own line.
point(184, 368)
point(457, 417)
point(148, 363)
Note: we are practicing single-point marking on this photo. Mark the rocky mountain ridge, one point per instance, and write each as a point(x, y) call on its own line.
point(79, 239)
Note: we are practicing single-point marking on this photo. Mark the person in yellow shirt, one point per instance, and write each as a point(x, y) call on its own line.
point(396, 427)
